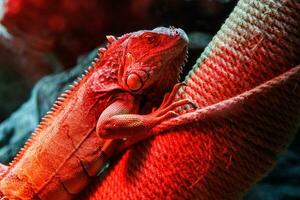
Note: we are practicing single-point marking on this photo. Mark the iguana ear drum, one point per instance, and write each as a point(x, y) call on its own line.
point(134, 82)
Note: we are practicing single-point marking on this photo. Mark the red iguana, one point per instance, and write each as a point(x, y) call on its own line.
point(87, 124)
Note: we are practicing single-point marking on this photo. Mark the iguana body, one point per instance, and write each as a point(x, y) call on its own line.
point(66, 150)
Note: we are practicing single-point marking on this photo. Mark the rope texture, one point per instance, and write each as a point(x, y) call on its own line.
point(248, 91)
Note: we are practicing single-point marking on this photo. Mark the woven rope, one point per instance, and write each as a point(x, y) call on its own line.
point(247, 115)
point(258, 41)
point(229, 106)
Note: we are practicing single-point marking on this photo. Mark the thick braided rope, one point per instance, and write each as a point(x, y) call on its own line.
point(229, 106)
point(227, 152)
point(259, 40)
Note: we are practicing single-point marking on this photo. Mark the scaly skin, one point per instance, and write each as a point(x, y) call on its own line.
point(112, 101)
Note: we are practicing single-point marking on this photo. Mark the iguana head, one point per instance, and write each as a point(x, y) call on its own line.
point(148, 60)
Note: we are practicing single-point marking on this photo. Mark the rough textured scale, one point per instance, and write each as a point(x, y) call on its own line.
point(68, 147)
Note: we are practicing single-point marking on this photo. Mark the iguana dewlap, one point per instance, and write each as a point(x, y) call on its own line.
point(113, 100)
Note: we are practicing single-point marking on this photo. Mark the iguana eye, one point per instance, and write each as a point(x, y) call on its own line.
point(134, 82)
point(151, 38)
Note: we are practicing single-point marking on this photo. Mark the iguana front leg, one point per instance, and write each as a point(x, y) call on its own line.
point(135, 127)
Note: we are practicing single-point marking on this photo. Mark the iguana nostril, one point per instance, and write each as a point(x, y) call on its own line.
point(134, 82)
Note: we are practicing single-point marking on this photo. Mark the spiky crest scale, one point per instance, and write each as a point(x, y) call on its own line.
point(110, 38)
point(102, 50)
point(54, 110)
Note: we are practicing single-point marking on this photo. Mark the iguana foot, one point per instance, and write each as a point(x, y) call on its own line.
point(135, 127)
point(166, 109)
